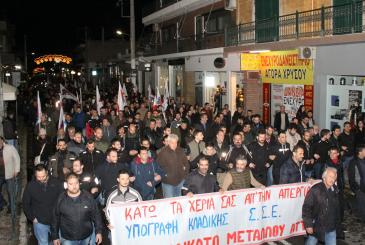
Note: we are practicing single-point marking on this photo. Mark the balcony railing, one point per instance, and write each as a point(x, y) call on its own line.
point(325, 21)
point(332, 20)
point(184, 43)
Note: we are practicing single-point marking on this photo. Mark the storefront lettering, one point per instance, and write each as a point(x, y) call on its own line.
point(293, 74)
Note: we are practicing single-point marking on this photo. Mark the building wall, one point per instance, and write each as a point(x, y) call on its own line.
point(334, 60)
point(245, 11)
point(291, 6)
point(189, 87)
point(246, 8)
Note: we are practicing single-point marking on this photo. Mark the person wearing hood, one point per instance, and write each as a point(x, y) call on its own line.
point(211, 155)
point(147, 173)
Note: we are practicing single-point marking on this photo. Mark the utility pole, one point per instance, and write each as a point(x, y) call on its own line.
point(133, 44)
point(25, 54)
point(1, 96)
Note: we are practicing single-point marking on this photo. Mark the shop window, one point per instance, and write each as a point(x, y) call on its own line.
point(267, 20)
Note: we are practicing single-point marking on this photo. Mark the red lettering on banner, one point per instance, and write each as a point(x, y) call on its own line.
point(176, 207)
point(213, 240)
point(228, 201)
point(293, 192)
point(255, 235)
point(249, 198)
point(145, 211)
point(258, 196)
point(199, 205)
point(296, 227)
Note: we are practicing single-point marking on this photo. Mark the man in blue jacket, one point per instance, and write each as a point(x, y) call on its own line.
point(147, 173)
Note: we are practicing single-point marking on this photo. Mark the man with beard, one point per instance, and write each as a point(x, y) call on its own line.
point(320, 153)
point(60, 164)
point(292, 137)
point(76, 216)
point(100, 144)
point(259, 157)
point(123, 157)
point(308, 161)
point(75, 145)
point(282, 152)
point(39, 198)
point(336, 131)
point(146, 144)
point(292, 170)
point(151, 134)
point(132, 141)
point(235, 150)
point(240, 177)
point(91, 157)
point(107, 172)
point(200, 181)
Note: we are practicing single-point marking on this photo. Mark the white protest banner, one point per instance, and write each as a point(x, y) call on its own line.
point(251, 216)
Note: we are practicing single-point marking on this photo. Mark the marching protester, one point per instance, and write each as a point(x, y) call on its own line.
point(281, 151)
point(131, 152)
point(240, 177)
point(60, 164)
point(320, 212)
point(39, 199)
point(147, 174)
point(174, 162)
point(200, 181)
point(76, 216)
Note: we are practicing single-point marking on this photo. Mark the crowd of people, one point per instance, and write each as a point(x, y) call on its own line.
point(145, 151)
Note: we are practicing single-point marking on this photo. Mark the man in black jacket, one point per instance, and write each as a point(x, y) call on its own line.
point(200, 181)
point(292, 170)
point(320, 210)
point(75, 216)
point(259, 161)
point(91, 157)
point(320, 153)
point(357, 183)
point(281, 151)
point(39, 198)
point(281, 121)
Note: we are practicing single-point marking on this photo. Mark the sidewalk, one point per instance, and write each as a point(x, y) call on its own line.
point(7, 236)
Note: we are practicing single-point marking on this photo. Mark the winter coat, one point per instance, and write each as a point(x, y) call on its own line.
point(145, 172)
point(321, 210)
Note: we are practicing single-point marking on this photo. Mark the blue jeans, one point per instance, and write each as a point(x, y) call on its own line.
point(86, 241)
point(318, 170)
point(41, 232)
point(11, 188)
point(329, 239)
point(172, 190)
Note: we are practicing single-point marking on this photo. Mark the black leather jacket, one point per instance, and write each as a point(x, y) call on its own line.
point(75, 217)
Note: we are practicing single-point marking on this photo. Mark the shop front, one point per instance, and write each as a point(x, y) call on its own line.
point(286, 80)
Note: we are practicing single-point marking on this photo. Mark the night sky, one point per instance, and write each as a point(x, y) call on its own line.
point(58, 26)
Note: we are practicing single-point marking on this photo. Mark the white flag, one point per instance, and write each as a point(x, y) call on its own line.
point(120, 98)
point(67, 94)
point(157, 100)
point(166, 98)
point(39, 110)
point(150, 95)
point(81, 98)
point(61, 118)
point(99, 104)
